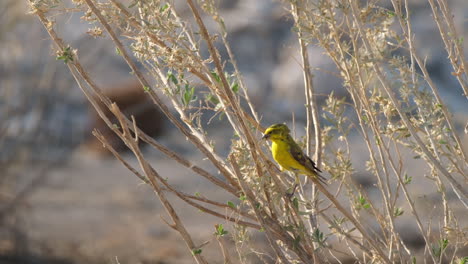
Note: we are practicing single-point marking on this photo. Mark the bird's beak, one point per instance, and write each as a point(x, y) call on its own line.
point(266, 136)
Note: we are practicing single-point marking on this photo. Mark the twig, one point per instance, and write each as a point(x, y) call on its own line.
point(226, 88)
point(217, 161)
point(312, 114)
point(152, 175)
point(184, 197)
point(460, 191)
point(260, 216)
point(222, 245)
point(406, 27)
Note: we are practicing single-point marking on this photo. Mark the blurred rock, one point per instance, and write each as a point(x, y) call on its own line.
point(132, 101)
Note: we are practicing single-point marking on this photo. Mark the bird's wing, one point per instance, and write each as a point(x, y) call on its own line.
point(303, 159)
point(298, 155)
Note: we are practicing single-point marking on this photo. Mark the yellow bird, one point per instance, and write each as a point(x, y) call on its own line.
point(289, 155)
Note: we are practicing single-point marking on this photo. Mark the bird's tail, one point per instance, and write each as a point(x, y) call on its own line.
point(319, 177)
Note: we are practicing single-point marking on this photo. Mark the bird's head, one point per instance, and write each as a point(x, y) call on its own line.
point(276, 132)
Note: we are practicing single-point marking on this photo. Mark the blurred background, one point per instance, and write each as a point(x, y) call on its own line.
point(63, 199)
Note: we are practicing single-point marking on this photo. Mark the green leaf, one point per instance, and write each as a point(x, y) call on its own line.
point(197, 251)
point(338, 221)
point(362, 203)
point(66, 55)
point(146, 89)
point(398, 211)
point(220, 230)
point(438, 249)
point(172, 78)
point(365, 119)
point(391, 13)
point(444, 243)
point(295, 202)
point(216, 76)
point(212, 99)
point(242, 197)
point(377, 140)
point(318, 237)
point(463, 260)
point(231, 204)
point(407, 179)
point(164, 7)
point(188, 95)
point(235, 87)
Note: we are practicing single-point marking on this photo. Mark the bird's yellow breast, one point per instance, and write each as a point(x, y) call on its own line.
point(282, 155)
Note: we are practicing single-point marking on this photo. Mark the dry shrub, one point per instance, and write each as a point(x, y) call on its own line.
point(396, 105)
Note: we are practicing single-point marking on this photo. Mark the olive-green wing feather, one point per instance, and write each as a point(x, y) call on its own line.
point(303, 159)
